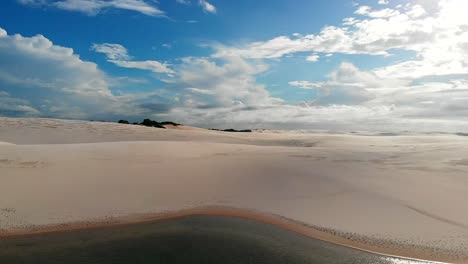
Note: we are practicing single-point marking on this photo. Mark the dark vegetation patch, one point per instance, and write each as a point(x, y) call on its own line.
point(232, 130)
point(150, 123)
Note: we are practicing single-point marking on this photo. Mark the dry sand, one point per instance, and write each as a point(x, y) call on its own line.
point(402, 195)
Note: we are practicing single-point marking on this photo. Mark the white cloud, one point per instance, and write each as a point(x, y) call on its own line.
point(382, 13)
point(15, 106)
point(349, 74)
point(200, 91)
point(437, 101)
point(3, 33)
point(30, 52)
point(383, 2)
point(118, 55)
point(154, 66)
point(438, 38)
point(384, 30)
point(228, 83)
point(112, 51)
point(304, 84)
point(313, 58)
point(207, 7)
point(347, 85)
point(416, 11)
point(94, 7)
point(349, 21)
point(305, 116)
point(56, 81)
point(184, 2)
point(32, 2)
point(331, 39)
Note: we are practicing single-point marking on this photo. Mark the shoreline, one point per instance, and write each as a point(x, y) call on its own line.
point(249, 214)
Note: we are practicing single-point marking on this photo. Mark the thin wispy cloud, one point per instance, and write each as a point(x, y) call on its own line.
point(207, 7)
point(118, 55)
point(313, 58)
point(184, 2)
point(94, 7)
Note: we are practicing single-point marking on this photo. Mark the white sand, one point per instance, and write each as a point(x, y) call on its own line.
point(395, 191)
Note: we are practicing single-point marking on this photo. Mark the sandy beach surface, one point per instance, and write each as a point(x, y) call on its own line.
point(399, 195)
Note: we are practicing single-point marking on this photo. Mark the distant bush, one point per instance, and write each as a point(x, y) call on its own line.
point(232, 130)
point(169, 123)
point(151, 123)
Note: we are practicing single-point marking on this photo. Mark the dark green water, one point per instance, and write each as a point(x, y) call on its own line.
point(193, 239)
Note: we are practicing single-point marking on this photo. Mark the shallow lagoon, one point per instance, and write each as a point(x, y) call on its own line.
point(185, 240)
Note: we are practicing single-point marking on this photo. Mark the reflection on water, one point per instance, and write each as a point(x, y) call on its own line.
point(407, 261)
point(193, 239)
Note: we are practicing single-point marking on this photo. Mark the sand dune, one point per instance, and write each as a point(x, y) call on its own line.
point(395, 194)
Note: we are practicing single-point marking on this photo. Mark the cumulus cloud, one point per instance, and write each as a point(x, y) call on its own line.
point(41, 78)
point(435, 36)
point(223, 84)
point(94, 7)
point(27, 53)
point(306, 115)
point(347, 86)
point(16, 107)
point(430, 102)
point(118, 55)
point(444, 54)
point(3, 33)
point(350, 99)
point(207, 7)
point(439, 96)
point(349, 75)
point(431, 85)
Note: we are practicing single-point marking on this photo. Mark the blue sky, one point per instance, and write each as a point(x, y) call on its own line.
point(347, 65)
